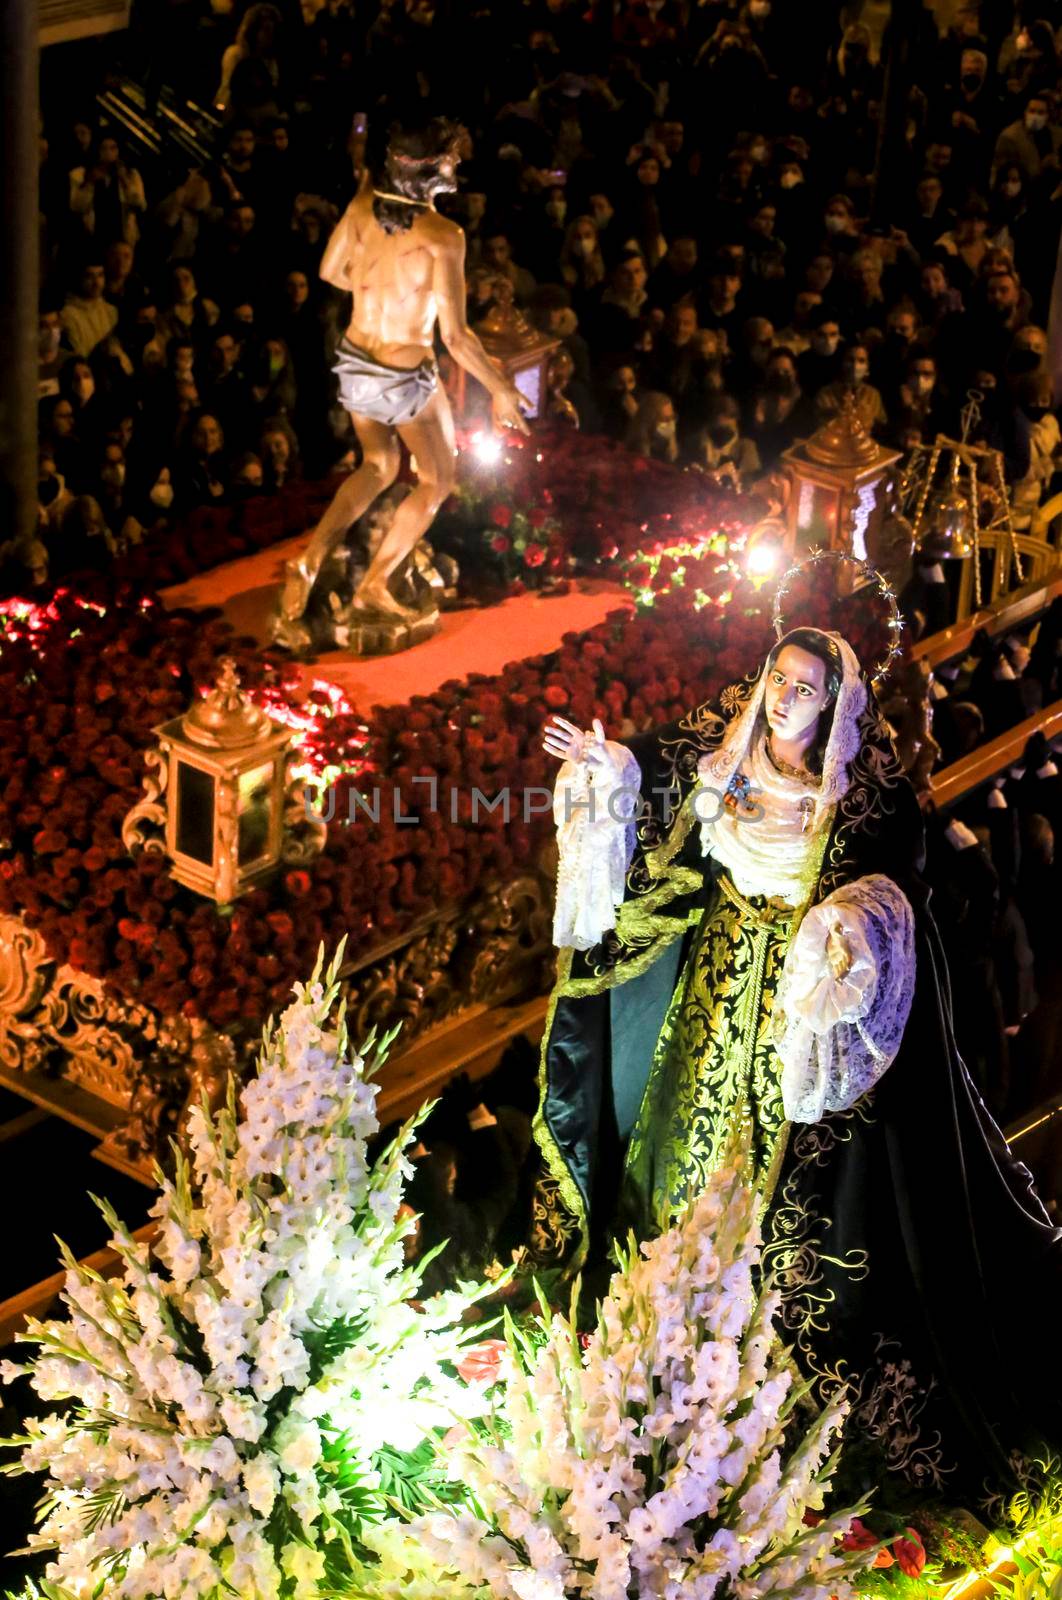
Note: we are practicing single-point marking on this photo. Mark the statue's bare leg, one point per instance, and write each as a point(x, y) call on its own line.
point(430, 440)
point(381, 459)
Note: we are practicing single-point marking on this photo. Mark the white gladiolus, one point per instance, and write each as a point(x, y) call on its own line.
point(656, 1463)
point(259, 1357)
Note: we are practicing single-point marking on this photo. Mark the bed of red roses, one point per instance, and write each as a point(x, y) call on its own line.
point(82, 683)
point(84, 679)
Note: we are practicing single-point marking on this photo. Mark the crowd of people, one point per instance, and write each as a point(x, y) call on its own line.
point(679, 190)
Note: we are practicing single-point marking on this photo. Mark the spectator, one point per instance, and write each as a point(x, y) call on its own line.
point(107, 196)
point(721, 448)
point(654, 429)
point(86, 317)
point(250, 67)
point(1031, 143)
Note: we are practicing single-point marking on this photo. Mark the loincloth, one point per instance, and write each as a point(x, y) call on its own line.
point(391, 395)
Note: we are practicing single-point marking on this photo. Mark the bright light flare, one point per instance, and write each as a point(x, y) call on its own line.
point(763, 560)
point(487, 448)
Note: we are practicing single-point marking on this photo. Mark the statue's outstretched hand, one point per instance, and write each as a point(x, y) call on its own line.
point(838, 953)
point(506, 409)
point(569, 743)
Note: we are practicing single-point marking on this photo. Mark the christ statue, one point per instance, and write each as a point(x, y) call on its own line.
point(404, 265)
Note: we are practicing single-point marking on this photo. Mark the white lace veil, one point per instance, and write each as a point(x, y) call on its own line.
point(843, 743)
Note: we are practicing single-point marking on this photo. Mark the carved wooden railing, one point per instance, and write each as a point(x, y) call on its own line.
point(459, 983)
point(1002, 616)
point(990, 759)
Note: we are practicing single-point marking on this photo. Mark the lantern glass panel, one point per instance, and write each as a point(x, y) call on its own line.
point(195, 813)
point(816, 513)
point(529, 383)
point(254, 790)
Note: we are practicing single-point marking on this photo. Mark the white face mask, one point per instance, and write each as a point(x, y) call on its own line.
point(1012, 188)
point(665, 430)
point(758, 151)
point(789, 180)
point(836, 222)
point(859, 370)
point(1035, 121)
point(585, 247)
point(826, 344)
point(556, 210)
point(162, 495)
point(923, 383)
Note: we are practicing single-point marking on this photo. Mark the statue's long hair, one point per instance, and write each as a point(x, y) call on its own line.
point(411, 167)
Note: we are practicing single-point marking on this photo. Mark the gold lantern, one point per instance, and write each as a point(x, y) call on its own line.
point(222, 767)
point(517, 349)
point(837, 480)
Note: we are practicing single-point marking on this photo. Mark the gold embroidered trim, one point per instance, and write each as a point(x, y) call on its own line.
point(543, 1134)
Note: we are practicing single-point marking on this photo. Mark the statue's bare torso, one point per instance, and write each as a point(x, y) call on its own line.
point(395, 280)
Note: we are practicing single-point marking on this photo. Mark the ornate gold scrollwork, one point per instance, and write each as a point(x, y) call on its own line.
point(148, 815)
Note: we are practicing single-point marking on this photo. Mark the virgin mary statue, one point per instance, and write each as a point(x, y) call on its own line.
point(746, 949)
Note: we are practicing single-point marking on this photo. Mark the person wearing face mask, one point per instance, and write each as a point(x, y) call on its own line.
point(854, 378)
point(654, 430)
point(839, 222)
point(1031, 143)
point(722, 450)
point(51, 357)
point(149, 501)
point(973, 110)
point(921, 404)
point(820, 364)
point(581, 263)
point(110, 485)
point(780, 413)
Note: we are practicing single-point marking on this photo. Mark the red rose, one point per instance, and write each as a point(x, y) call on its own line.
point(482, 1364)
point(858, 1537)
point(281, 924)
point(534, 555)
point(556, 696)
point(910, 1553)
point(500, 514)
point(500, 543)
point(297, 882)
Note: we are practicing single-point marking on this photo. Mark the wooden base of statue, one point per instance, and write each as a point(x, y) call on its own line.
point(331, 617)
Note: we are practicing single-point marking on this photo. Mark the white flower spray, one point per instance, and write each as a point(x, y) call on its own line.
point(257, 1387)
point(662, 1457)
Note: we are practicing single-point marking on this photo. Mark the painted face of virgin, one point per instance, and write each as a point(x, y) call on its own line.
point(795, 695)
